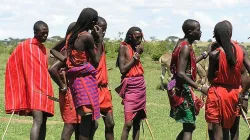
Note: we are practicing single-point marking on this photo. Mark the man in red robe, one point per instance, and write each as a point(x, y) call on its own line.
point(105, 98)
point(132, 89)
point(27, 82)
point(226, 64)
point(184, 104)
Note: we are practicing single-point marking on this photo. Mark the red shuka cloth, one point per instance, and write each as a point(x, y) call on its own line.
point(137, 69)
point(67, 108)
point(222, 99)
point(105, 97)
point(178, 97)
point(175, 60)
point(27, 81)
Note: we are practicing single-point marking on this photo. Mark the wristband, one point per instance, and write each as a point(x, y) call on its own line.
point(199, 88)
point(135, 56)
point(204, 54)
point(65, 87)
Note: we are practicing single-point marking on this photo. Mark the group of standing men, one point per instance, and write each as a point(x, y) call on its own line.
point(81, 74)
point(227, 94)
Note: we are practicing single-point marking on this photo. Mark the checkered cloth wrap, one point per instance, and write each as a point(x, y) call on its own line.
point(84, 87)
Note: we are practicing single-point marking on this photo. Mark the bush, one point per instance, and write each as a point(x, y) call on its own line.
point(157, 48)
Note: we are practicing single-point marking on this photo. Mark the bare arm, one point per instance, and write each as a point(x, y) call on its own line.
point(246, 60)
point(54, 73)
point(88, 41)
point(199, 58)
point(123, 65)
point(55, 50)
point(210, 48)
point(182, 65)
point(245, 78)
point(213, 63)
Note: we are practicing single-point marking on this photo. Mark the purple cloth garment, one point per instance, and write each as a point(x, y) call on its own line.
point(84, 87)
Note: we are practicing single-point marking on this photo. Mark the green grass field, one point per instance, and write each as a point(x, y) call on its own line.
point(163, 127)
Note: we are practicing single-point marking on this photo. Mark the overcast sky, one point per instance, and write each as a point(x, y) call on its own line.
point(159, 18)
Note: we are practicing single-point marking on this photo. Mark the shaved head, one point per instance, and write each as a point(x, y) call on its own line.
point(41, 31)
point(37, 26)
point(101, 19)
point(189, 25)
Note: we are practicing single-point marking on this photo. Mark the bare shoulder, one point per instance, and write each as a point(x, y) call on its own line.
point(85, 37)
point(185, 49)
point(122, 48)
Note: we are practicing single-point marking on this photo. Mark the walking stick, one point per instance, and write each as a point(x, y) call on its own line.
point(8, 125)
point(143, 131)
point(244, 116)
point(146, 120)
point(50, 97)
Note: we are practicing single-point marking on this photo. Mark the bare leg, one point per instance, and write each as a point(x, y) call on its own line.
point(225, 134)
point(38, 130)
point(210, 131)
point(234, 131)
point(126, 128)
point(188, 129)
point(180, 135)
point(136, 128)
point(109, 125)
point(217, 130)
point(93, 129)
point(85, 127)
point(77, 131)
point(43, 128)
point(67, 132)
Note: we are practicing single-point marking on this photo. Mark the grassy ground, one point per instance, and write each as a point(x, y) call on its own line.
point(163, 127)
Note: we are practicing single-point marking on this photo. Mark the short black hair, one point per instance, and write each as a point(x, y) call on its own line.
point(189, 24)
point(101, 19)
point(38, 24)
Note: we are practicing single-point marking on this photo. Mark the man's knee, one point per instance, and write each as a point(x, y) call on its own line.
point(128, 125)
point(109, 122)
point(38, 117)
point(95, 125)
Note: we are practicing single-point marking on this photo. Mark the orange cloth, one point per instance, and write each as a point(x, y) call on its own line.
point(102, 72)
point(67, 108)
point(137, 69)
point(76, 57)
point(27, 81)
point(105, 99)
point(222, 99)
point(105, 96)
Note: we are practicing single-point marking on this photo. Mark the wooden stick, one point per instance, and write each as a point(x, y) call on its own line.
point(50, 97)
point(151, 133)
point(244, 116)
point(143, 131)
point(8, 125)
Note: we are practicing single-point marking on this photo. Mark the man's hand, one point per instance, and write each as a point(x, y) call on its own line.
point(139, 49)
point(63, 90)
point(98, 31)
point(204, 89)
point(243, 101)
